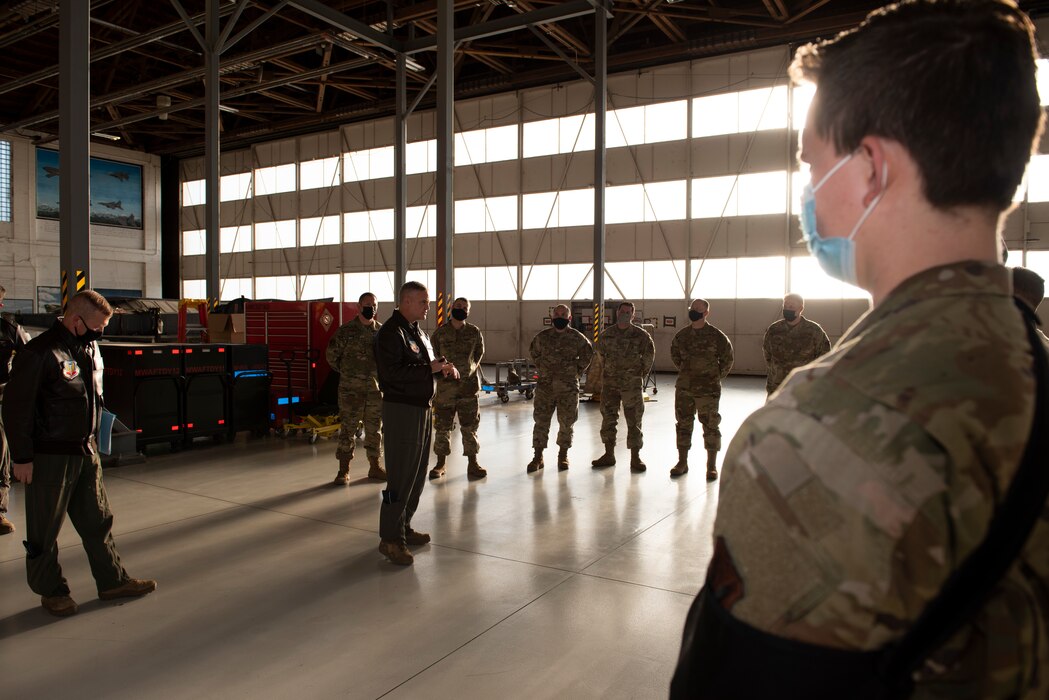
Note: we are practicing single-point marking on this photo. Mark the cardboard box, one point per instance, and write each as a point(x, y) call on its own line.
point(226, 328)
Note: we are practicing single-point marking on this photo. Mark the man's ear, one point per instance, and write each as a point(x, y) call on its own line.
point(875, 157)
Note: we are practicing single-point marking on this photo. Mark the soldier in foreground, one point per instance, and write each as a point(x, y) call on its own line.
point(792, 342)
point(627, 353)
point(561, 354)
point(462, 345)
point(350, 353)
point(51, 413)
point(855, 495)
point(703, 356)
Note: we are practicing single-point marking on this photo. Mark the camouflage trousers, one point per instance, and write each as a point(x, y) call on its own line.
point(689, 406)
point(358, 406)
point(548, 399)
point(446, 406)
point(632, 399)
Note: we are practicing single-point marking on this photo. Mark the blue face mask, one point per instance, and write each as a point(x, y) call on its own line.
point(837, 256)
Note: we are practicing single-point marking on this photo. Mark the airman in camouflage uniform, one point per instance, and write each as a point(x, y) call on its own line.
point(703, 356)
point(870, 476)
point(461, 344)
point(791, 342)
point(627, 352)
point(561, 354)
point(350, 354)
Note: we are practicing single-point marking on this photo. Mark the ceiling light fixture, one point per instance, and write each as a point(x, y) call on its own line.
point(163, 101)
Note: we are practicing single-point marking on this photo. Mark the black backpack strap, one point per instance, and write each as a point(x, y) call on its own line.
point(971, 585)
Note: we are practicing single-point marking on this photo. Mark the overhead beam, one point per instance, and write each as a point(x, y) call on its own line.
point(564, 57)
point(338, 19)
point(112, 50)
point(226, 66)
point(552, 13)
point(238, 92)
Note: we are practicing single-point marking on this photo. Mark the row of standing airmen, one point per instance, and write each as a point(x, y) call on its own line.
point(701, 352)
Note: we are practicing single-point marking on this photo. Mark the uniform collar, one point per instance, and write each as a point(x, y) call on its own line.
point(68, 338)
point(398, 318)
point(967, 278)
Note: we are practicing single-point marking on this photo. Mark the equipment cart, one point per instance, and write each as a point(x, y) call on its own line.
point(516, 375)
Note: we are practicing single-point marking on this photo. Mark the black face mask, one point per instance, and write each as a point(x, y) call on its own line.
point(89, 336)
point(459, 314)
point(368, 312)
point(789, 315)
point(694, 315)
point(560, 323)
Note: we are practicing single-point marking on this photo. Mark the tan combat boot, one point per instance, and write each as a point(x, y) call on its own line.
point(537, 462)
point(438, 469)
point(712, 468)
point(636, 465)
point(59, 605)
point(132, 588)
point(375, 470)
point(414, 537)
point(343, 477)
point(608, 459)
point(475, 470)
point(562, 459)
point(396, 551)
point(682, 463)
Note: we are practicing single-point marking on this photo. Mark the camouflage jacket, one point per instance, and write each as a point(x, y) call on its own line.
point(849, 498)
point(703, 357)
point(787, 347)
point(626, 352)
point(351, 353)
point(561, 357)
point(464, 348)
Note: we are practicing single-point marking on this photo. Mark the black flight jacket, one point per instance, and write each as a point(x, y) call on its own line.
point(402, 357)
point(53, 399)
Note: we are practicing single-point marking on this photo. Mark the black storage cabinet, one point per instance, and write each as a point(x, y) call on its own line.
point(142, 385)
point(205, 390)
point(249, 370)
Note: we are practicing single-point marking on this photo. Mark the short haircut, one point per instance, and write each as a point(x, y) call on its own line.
point(626, 303)
point(565, 307)
point(87, 301)
point(360, 299)
point(409, 287)
point(968, 110)
point(706, 304)
point(795, 297)
point(463, 299)
point(1028, 286)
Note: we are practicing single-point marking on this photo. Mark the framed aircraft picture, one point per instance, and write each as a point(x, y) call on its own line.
point(116, 190)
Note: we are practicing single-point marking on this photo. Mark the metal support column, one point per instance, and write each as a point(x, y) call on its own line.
point(445, 157)
point(600, 105)
point(75, 147)
point(212, 55)
point(400, 167)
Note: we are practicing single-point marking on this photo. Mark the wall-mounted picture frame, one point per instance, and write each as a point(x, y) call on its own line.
point(116, 190)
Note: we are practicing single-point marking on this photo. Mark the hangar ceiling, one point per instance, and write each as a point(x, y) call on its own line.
point(288, 69)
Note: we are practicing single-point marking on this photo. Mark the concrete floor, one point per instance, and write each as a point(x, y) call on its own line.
point(551, 585)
